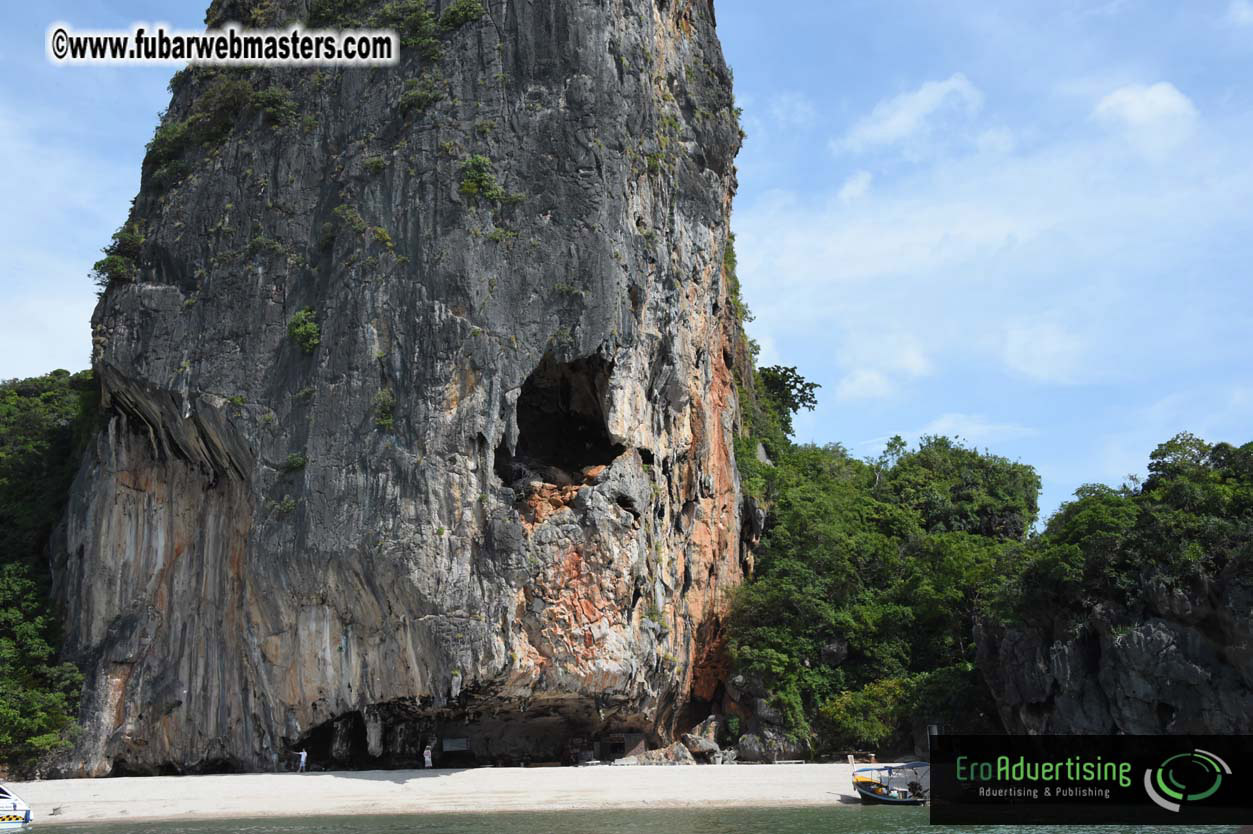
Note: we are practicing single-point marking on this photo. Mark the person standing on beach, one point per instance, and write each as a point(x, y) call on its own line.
point(304, 756)
point(426, 757)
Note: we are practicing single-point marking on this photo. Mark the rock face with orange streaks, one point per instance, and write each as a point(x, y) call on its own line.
point(493, 505)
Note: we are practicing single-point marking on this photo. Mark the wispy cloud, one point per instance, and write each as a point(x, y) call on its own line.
point(855, 187)
point(974, 428)
point(863, 384)
point(1155, 118)
point(48, 240)
point(949, 253)
point(1046, 351)
point(1240, 12)
point(906, 116)
point(791, 109)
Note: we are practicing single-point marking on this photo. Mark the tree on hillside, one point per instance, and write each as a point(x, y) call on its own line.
point(44, 423)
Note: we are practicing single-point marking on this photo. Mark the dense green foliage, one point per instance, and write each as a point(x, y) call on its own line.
point(44, 423)
point(787, 392)
point(38, 696)
point(385, 409)
point(1189, 522)
point(872, 574)
point(121, 257)
point(461, 12)
point(478, 179)
point(224, 98)
point(956, 489)
point(303, 329)
point(414, 22)
point(419, 94)
point(865, 597)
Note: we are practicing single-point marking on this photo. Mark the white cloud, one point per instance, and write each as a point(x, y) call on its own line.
point(996, 140)
point(792, 109)
point(1108, 9)
point(974, 428)
point(854, 187)
point(1215, 412)
point(1240, 12)
point(1155, 118)
point(864, 384)
point(49, 239)
point(897, 119)
point(44, 331)
point(928, 273)
point(877, 359)
point(1043, 350)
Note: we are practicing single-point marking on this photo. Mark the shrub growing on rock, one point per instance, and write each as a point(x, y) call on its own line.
point(304, 331)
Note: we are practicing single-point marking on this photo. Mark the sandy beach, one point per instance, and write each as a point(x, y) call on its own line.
point(433, 791)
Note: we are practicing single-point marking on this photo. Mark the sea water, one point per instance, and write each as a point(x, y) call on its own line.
point(845, 819)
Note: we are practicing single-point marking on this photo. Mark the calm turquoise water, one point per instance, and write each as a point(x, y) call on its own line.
point(839, 820)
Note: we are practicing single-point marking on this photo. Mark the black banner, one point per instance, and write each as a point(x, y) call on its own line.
point(1091, 780)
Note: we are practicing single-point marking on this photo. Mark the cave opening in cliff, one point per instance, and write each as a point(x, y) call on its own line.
point(561, 422)
point(395, 734)
point(386, 735)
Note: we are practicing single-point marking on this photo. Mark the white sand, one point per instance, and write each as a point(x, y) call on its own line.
point(434, 791)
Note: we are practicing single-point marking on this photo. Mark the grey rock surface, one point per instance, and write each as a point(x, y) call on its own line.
point(699, 746)
point(675, 754)
point(498, 500)
point(1181, 663)
point(711, 729)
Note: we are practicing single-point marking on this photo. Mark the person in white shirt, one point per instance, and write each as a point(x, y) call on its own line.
point(426, 757)
point(304, 756)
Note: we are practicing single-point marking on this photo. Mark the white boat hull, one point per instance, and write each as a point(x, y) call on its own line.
point(14, 813)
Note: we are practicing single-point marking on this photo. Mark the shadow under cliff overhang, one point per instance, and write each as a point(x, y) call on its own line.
point(480, 732)
point(180, 424)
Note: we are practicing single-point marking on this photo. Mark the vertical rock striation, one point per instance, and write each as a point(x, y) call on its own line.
point(1178, 663)
point(499, 493)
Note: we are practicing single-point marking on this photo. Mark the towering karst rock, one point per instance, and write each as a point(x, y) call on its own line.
point(420, 396)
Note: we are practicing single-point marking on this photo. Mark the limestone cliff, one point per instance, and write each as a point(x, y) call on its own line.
point(485, 488)
point(1178, 662)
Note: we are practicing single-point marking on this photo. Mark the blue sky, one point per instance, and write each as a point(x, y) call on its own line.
point(1027, 224)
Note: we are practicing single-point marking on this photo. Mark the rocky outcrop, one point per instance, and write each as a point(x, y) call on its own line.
point(420, 402)
point(674, 754)
point(769, 745)
point(1180, 663)
point(765, 737)
point(702, 749)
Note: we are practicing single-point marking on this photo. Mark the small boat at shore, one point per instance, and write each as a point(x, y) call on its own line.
point(903, 784)
point(14, 812)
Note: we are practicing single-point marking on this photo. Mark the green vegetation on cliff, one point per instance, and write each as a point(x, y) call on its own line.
point(872, 575)
point(869, 573)
point(1188, 523)
point(44, 423)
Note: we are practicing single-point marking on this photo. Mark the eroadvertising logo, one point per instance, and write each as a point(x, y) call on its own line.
point(1090, 780)
point(1193, 776)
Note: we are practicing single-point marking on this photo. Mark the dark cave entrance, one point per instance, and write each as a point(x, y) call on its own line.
point(389, 735)
point(561, 421)
point(394, 735)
